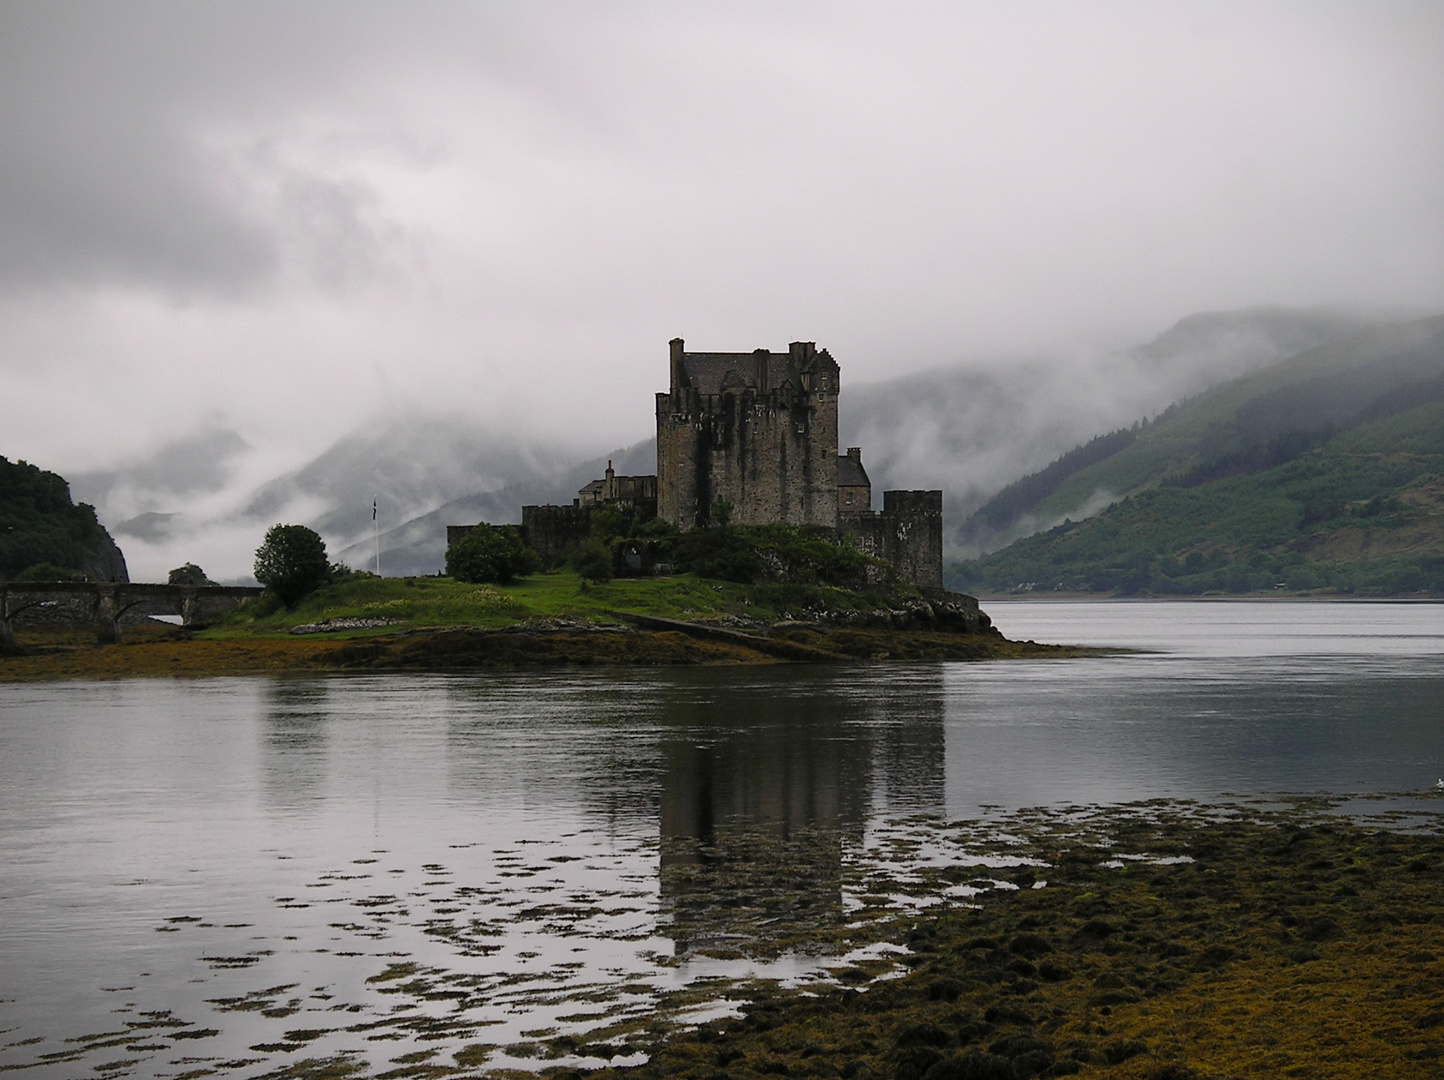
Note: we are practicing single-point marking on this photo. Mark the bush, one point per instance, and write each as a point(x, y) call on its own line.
point(189, 574)
point(50, 572)
point(610, 523)
point(751, 554)
point(491, 554)
point(593, 561)
point(291, 562)
point(341, 573)
point(719, 552)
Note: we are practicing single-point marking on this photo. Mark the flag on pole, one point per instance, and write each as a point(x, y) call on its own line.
point(376, 528)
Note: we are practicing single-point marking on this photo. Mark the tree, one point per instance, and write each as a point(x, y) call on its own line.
point(593, 561)
point(40, 525)
point(189, 574)
point(491, 554)
point(291, 562)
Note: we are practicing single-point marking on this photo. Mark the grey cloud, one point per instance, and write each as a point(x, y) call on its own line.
point(311, 211)
point(898, 149)
point(195, 465)
point(136, 150)
point(152, 527)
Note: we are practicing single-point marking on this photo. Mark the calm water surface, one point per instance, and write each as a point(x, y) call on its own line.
point(226, 876)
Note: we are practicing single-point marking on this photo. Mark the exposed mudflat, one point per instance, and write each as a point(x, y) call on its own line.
point(1157, 941)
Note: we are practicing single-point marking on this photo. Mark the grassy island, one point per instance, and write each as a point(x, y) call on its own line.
point(552, 619)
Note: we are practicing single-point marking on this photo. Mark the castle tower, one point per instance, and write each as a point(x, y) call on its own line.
point(758, 430)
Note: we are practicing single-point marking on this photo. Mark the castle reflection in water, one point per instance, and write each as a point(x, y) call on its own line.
point(758, 806)
point(755, 784)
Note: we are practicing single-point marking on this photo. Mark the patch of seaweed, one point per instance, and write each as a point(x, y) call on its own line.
point(1156, 968)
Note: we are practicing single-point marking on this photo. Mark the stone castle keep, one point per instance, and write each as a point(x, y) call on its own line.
point(757, 432)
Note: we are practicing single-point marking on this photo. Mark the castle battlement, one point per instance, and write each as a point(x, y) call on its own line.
point(756, 430)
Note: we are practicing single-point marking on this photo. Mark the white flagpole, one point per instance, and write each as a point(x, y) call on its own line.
point(376, 525)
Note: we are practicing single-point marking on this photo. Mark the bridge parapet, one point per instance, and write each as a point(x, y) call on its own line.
point(106, 602)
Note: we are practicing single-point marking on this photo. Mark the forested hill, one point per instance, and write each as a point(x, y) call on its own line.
point(1245, 425)
point(1324, 472)
point(40, 526)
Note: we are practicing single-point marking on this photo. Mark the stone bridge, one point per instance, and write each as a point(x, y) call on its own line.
point(105, 602)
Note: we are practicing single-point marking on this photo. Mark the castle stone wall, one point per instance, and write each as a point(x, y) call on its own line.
point(554, 532)
point(908, 533)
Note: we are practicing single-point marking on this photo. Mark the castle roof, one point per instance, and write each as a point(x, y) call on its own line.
point(707, 371)
point(850, 473)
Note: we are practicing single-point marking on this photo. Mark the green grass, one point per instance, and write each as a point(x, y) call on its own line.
point(440, 602)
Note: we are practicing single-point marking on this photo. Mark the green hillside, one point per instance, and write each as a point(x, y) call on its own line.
point(1360, 510)
point(1245, 426)
point(40, 525)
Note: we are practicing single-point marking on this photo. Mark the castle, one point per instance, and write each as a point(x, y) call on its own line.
point(753, 435)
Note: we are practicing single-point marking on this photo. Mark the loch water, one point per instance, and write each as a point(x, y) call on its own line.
point(227, 876)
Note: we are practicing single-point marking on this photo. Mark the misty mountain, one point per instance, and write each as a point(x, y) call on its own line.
point(195, 499)
point(1251, 424)
point(973, 430)
point(1354, 509)
point(418, 546)
point(151, 489)
point(409, 467)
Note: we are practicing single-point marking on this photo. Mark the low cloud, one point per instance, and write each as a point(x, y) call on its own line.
point(306, 214)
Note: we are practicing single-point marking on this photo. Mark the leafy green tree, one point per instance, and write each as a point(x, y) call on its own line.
point(291, 562)
point(610, 523)
point(593, 561)
point(189, 574)
point(491, 554)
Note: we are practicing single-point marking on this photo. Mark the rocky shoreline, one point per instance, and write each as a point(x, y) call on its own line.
point(538, 643)
point(1159, 941)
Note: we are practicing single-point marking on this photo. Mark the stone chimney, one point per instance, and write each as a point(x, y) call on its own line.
point(679, 370)
point(761, 373)
point(801, 354)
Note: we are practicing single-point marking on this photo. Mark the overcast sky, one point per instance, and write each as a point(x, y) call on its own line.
point(289, 218)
